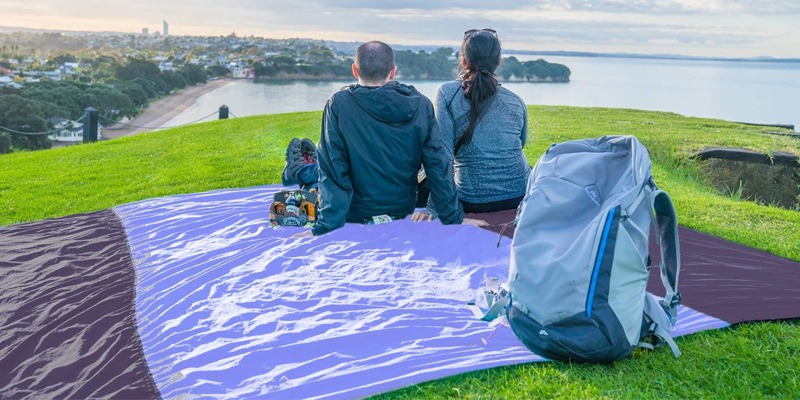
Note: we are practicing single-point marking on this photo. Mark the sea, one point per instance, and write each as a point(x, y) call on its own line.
point(744, 91)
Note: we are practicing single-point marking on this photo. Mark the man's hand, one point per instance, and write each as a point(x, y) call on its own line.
point(474, 222)
point(421, 216)
point(303, 234)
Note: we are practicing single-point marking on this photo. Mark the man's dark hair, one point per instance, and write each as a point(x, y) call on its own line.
point(374, 61)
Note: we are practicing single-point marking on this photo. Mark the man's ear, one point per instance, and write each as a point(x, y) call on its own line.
point(355, 71)
point(393, 72)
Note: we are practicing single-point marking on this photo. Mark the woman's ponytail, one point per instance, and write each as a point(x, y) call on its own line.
point(480, 55)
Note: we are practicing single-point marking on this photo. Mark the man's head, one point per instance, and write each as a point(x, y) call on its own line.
point(374, 64)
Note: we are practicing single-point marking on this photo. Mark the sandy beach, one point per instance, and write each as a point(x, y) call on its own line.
point(163, 110)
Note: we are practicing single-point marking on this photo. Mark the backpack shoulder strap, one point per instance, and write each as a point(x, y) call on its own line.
point(656, 323)
point(666, 225)
point(660, 315)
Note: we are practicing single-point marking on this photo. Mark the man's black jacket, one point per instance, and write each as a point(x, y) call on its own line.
point(372, 144)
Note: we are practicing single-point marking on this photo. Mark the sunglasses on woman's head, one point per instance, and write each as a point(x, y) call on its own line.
point(474, 31)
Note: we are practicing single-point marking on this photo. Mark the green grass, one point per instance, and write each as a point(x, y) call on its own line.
point(749, 361)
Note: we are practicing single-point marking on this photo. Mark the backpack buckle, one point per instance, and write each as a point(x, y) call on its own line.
point(676, 299)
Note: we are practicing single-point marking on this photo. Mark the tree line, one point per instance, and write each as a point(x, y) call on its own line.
point(125, 90)
point(318, 63)
point(442, 64)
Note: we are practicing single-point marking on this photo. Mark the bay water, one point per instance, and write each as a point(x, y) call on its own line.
point(754, 92)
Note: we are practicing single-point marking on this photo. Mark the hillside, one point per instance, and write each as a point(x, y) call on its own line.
point(745, 361)
point(250, 151)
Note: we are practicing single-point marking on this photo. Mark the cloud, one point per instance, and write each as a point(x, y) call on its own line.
point(668, 7)
point(710, 27)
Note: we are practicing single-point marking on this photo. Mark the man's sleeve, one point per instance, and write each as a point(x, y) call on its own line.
point(439, 169)
point(335, 186)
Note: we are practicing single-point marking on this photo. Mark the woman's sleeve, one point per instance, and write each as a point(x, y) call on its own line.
point(446, 131)
point(445, 121)
point(524, 134)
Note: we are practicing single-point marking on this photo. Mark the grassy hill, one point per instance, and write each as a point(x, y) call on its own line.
point(751, 360)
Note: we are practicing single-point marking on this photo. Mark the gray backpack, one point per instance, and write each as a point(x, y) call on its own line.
point(580, 257)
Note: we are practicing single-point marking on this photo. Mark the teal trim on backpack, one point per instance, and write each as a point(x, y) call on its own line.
point(599, 261)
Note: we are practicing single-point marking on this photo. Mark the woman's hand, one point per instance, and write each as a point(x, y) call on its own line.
point(474, 222)
point(421, 216)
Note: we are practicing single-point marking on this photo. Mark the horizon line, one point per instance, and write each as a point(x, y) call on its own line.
point(563, 53)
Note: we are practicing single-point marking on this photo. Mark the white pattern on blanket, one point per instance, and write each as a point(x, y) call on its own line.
point(228, 307)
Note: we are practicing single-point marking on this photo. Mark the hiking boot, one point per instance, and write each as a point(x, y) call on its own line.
point(309, 151)
point(294, 160)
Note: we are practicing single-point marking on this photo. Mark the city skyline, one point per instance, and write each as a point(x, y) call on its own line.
point(714, 28)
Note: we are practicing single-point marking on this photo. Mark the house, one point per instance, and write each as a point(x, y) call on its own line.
point(70, 67)
point(54, 75)
point(69, 131)
point(243, 73)
point(11, 81)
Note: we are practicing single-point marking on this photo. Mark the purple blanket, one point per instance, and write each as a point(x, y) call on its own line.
point(195, 295)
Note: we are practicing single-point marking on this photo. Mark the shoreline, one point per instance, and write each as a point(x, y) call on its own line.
point(163, 110)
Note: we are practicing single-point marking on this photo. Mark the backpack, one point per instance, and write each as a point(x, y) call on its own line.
point(293, 208)
point(580, 258)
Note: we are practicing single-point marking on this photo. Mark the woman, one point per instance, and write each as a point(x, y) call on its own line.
point(484, 127)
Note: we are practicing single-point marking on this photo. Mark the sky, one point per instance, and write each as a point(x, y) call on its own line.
point(714, 28)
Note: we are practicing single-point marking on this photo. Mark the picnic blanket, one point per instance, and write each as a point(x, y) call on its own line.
point(197, 296)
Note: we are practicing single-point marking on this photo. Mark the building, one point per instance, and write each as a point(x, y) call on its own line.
point(69, 132)
point(35, 76)
point(145, 32)
point(166, 29)
point(243, 73)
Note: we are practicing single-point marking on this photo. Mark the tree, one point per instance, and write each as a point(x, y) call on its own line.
point(319, 55)
point(136, 68)
point(24, 115)
point(158, 83)
point(173, 80)
point(422, 65)
point(135, 92)
point(511, 67)
point(219, 70)
point(63, 58)
point(193, 74)
point(104, 59)
point(104, 71)
point(111, 102)
point(69, 96)
point(535, 70)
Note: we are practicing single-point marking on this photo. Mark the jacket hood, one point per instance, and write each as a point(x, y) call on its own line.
point(393, 102)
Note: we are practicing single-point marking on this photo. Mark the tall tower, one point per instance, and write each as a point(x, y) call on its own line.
point(166, 28)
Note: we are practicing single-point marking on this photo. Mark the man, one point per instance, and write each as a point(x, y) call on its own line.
point(375, 136)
